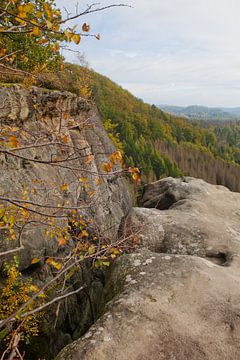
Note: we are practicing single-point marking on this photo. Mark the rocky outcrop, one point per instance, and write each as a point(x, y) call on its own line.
point(35, 116)
point(40, 113)
point(178, 296)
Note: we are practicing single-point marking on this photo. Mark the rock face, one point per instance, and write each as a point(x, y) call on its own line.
point(38, 112)
point(37, 115)
point(177, 297)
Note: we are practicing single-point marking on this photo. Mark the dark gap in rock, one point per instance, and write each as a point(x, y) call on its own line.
point(166, 201)
point(220, 258)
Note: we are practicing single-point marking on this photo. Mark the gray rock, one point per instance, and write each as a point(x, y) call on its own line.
point(203, 220)
point(34, 112)
point(175, 298)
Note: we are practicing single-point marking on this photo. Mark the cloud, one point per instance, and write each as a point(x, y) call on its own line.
point(170, 51)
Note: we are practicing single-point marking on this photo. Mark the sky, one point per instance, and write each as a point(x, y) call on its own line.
point(175, 52)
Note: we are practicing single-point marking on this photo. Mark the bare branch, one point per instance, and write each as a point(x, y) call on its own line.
point(90, 10)
point(57, 299)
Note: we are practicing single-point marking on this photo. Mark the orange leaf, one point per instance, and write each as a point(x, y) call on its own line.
point(13, 141)
point(62, 241)
point(89, 159)
point(107, 167)
point(35, 260)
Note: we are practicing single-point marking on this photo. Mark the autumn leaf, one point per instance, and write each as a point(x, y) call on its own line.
point(89, 159)
point(86, 27)
point(33, 288)
point(64, 138)
point(13, 141)
point(36, 31)
point(54, 263)
point(3, 52)
point(76, 38)
point(91, 250)
point(49, 24)
point(55, 47)
point(35, 261)
point(136, 177)
point(91, 193)
point(106, 263)
point(68, 35)
point(107, 167)
point(99, 181)
point(84, 233)
point(62, 241)
point(64, 187)
point(135, 172)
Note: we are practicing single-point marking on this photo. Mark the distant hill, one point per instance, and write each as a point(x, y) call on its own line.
point(196, 112)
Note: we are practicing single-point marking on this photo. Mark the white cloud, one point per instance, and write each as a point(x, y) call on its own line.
point(170, 51)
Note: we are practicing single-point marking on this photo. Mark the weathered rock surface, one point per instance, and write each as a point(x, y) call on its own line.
point(201, 219)
point(178, 296)
point(39, 114)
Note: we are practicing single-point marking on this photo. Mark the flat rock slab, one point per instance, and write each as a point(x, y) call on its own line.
point(171, 307)
point(178, 297)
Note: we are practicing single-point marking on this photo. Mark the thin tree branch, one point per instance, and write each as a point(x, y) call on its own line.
point(59, 298)
point(89, 10)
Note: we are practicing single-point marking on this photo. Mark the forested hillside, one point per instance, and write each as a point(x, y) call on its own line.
point(157, 142)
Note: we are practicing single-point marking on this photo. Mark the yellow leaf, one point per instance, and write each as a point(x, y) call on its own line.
point(55, 47)
point(68, 35)
point(55, 264)
point(64, 187)
point(33, 288)
point(49, 24)
point(106, 263)
point(84, 233)
point(25, 213)
point(28, 8)
point(76, 38)
point(14, 236)
point(36, 31)
point(91, 250)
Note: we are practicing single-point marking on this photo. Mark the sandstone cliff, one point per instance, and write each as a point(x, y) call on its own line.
point(37, 115)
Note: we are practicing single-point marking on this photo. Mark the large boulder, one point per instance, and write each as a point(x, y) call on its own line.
point(199, 219)
point(178, 296)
